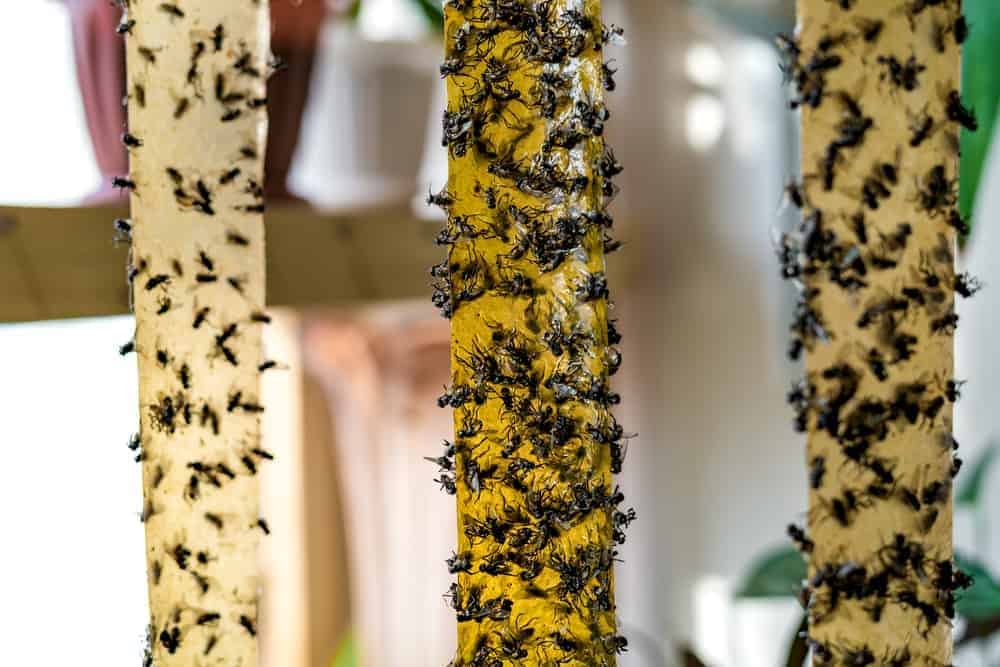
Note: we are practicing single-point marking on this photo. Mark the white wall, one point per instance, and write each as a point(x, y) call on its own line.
point(717, 471)
point(72, 566)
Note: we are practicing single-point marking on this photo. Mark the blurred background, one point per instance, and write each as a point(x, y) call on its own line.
point(354, 570)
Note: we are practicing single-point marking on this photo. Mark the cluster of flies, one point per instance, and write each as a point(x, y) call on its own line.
point(542, 509)
point(181, 410)
point(830, 400)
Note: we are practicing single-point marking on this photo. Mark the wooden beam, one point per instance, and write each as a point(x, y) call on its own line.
point(61, 262)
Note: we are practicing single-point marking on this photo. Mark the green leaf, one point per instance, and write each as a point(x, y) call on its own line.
point(431, 10)
point(758, 22)
point(973, 484)
point(778, 573)
point(981, 92)
point(433, 13)
point(347, 652)
point(355, 10)
point(981, 601)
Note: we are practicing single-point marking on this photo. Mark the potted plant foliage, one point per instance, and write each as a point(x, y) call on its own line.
point(779, 575)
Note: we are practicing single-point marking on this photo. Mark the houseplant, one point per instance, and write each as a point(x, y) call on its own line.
point(781, 572)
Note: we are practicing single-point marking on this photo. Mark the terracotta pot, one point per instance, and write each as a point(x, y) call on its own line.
point(100, 67)
point(296, 25)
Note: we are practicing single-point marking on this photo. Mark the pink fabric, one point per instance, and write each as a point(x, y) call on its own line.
point(100, 69)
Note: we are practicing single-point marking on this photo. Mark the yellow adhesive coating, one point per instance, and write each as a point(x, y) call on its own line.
point(529, 338)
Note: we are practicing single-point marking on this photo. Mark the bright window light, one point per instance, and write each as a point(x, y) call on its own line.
point(705, 119)
point(741, 632)
point(47, 155)
point(73, 556)
point(703, 65)
point(712, 600)
point(385, 20)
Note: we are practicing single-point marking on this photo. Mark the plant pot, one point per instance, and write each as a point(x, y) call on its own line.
point(433, 175)
point(295, 35)
point(365, 125)
point(100, 68)
point(100, 72)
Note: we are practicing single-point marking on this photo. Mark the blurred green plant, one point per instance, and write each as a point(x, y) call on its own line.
point(981, 92)
point(980, 77)
point(780, 572)
point(750, 17)
point(347, 652)
point(429, 8)
point(971, 490)
point(433, 12)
